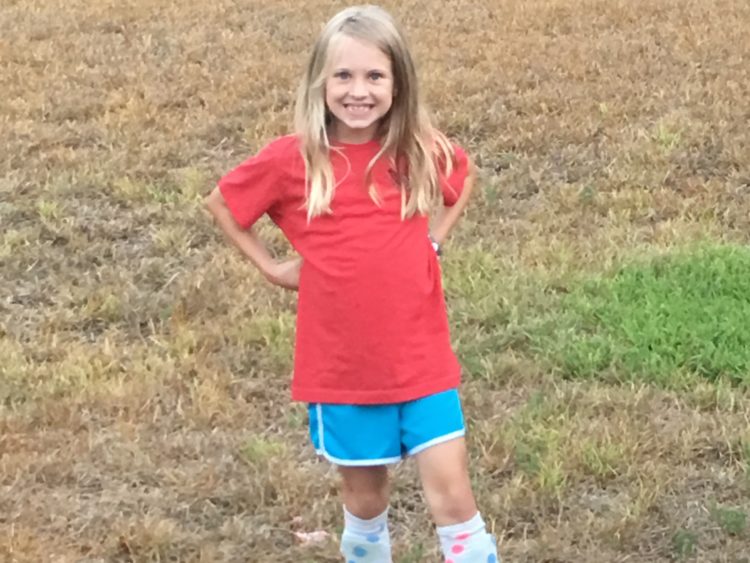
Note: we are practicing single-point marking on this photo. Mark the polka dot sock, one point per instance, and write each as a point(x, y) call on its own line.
point(468, 542)
point(366, 541)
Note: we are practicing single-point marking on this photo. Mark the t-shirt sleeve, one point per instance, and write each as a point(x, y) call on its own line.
point(453, 184)
point(254, 187)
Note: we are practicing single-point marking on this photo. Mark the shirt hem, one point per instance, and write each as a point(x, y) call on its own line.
point(373, 397)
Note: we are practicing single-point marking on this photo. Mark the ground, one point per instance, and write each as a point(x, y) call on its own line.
point(144, 367)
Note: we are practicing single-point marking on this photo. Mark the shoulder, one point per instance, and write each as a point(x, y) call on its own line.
point(281, 148)
point(284, 145)
point(281, 154)
point(448, 152)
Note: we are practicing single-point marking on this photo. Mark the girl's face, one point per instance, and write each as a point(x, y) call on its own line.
point(359, 90)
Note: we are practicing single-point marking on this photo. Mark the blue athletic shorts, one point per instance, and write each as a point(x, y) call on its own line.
point(380, 434)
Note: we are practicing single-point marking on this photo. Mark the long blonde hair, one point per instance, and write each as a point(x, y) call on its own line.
point(406, 134)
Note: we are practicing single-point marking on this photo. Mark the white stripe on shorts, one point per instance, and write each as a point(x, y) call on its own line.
point(436, 441)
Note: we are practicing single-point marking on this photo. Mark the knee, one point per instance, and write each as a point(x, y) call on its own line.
point(452, 504)
point(366, 503)
point(366, 493)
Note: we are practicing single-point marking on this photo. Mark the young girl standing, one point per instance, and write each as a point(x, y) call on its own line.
point(351, 190)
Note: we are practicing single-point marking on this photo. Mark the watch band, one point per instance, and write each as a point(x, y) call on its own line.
point(436, 246)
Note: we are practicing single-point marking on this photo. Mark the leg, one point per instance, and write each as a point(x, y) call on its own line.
point(365, 490)
point(444, 472)
point(360, 440)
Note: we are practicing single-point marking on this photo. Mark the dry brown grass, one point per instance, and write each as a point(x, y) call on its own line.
point(144, 368)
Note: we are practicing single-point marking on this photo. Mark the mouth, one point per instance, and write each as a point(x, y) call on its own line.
point(358, 109)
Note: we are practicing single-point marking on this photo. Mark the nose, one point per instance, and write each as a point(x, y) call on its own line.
point(358, 89)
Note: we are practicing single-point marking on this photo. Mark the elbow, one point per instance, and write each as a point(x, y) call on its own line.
point(471, 180)
point(472, 172)
point(213, 200)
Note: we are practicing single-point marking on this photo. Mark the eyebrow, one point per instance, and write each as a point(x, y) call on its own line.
point(376, 69)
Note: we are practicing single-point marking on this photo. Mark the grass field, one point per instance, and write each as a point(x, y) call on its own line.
point(597, 287)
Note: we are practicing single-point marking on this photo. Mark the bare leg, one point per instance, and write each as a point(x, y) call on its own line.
point(445, 477)
point(444, 471)
point(365, 490)
point(366, 538)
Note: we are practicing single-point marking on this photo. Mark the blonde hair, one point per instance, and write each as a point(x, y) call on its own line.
point(406, 134)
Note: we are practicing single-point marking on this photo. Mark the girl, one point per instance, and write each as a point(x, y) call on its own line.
point(351, 191)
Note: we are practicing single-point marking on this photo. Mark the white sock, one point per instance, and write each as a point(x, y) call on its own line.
point(468, 542)
point(366, 541)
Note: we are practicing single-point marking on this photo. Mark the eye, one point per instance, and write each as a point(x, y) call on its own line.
point(376, 75)
point(342, 74)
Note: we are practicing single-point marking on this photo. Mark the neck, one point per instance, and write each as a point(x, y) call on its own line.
point(353, 137)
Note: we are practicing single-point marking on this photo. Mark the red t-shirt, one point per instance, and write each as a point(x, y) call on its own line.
point(371, 319)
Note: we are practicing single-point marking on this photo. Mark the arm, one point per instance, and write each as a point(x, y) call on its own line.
point(284, 274)
point(447, 218)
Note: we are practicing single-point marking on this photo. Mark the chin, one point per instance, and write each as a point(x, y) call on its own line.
point(359, 125)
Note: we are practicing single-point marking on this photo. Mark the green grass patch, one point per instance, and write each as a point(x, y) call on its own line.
point(269, 337)
point(487, 301)
point(684, 543)
point(258, 449)
point(665, 320)
point(602, 458)
point(732, 520)
point(187, 186)
point(538, 436)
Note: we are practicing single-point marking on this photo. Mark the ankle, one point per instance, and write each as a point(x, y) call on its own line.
point(467, 541)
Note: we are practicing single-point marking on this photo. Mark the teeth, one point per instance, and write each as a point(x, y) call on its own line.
point(358, 109)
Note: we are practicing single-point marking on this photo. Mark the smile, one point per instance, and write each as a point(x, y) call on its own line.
point(358, 108)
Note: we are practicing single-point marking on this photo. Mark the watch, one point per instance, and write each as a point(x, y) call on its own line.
point(436, 246)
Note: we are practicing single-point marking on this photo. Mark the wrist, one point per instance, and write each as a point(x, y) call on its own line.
point(436, 246)
point(266, 267)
